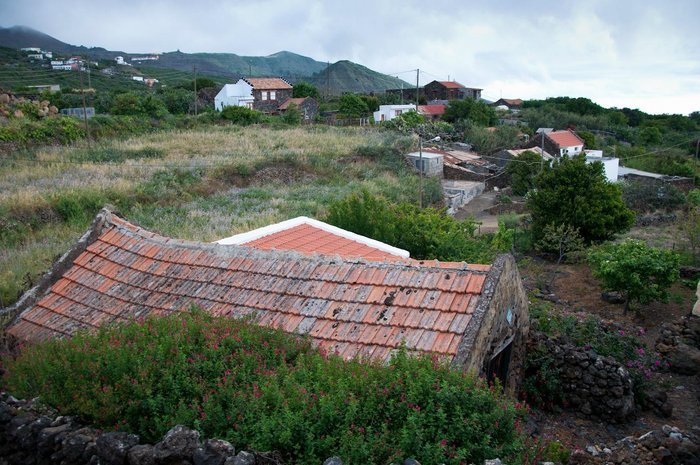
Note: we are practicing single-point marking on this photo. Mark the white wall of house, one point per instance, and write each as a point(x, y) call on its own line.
point(610, 164)
point(389, 112)
point(571, 151)
point(238, 94)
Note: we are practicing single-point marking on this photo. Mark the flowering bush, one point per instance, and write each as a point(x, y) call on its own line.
point(589, 332)
point(266, 390)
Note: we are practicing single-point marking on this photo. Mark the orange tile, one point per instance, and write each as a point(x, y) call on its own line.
point(444, 321)
point(454, 345)
point(442, 342)
point(476, 283)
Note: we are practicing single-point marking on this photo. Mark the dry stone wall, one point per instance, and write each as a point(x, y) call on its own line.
point(595, 386)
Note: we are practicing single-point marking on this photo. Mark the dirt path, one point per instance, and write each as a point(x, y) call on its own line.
point(476, 208)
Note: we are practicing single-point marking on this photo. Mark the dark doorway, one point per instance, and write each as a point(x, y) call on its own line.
point(497, 368)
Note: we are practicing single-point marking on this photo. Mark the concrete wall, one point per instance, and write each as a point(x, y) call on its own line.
point(389, 112)
point(432, 163)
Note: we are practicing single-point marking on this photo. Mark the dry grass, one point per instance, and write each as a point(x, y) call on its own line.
point(268, 175)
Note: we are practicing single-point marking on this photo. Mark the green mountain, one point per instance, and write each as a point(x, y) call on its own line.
point(343, 76)
point(286, 64)
point(346, 76)
point(21, 36)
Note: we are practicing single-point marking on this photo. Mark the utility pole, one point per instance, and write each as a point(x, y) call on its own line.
point(87, 66)
point(542, 153)
point(417, 75)
point(195, 89)
point(85, 118)
point(328, 80)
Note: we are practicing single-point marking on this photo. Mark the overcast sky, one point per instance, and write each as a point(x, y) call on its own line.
point(642, 54)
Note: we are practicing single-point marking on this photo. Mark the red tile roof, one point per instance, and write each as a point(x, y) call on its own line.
point(565, 138)
point(452, 84)
point(352, 307)
point(432, 109)
point(268, 83)
point(289, 101)
point(310, 236)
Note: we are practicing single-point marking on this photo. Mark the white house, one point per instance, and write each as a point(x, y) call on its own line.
point(566, 141)
point(239, 94)
point(120, 60)
point(389, 112)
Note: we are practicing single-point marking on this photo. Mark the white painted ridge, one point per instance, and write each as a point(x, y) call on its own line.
point(244, 238)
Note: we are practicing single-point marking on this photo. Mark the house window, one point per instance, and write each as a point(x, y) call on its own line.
point(273, 95)
point(263, 95)
point(398, 112)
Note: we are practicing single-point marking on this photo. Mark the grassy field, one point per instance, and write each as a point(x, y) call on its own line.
point(201, 184)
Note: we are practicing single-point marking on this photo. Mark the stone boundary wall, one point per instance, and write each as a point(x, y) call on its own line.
point(679, 344)
point(594, 386)
point(35, 435)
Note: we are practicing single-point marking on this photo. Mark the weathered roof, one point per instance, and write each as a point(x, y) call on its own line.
point(565, 138)
point(451, 84)
point(268, 83)
point(295, 101)
point(351, 307)
point(432, 109)
point(511, 102)
point(309, 236)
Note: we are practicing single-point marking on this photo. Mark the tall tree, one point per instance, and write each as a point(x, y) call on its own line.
point(577, 193)
point(642, 274)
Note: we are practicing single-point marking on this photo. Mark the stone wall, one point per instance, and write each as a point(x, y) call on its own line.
point(594, 386)
point(501, 316)
point(679, 344)
point(35, 435)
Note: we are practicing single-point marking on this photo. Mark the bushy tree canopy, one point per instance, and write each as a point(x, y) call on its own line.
point(304, 89)
point(522, 171)
point(426, 233)
point(577, 193)
point(353, 105)
point(641, 273)
point(470, 109)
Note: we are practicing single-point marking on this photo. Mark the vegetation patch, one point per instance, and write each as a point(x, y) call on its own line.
point(542, 387)
point(262, 389)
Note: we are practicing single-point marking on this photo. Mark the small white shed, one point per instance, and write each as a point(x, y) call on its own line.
point(432, 163)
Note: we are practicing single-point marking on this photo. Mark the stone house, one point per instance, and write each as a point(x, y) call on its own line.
point(307, 106)
point(261, 94)
point(353, 296)
point(450, 90)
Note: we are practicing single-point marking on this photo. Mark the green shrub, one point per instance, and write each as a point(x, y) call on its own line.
point(78, 207)
point(241, 115)
point(426, 233)
point(263, 389)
